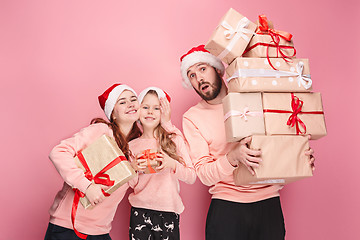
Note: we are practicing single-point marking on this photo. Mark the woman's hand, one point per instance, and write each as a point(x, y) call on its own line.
point(94, 193)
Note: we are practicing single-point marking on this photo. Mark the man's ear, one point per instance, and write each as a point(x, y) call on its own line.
point(218, 71)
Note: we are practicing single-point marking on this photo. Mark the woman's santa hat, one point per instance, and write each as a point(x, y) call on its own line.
point(160, 93)
point(108, 99)
point(198, 55)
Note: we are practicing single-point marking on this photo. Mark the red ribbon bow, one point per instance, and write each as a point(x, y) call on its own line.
point(149, 156)
point(99, 178)
point(264, 29)
point(294, 120)
point(275, 36)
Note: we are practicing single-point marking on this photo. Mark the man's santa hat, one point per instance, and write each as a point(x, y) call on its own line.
point(161, 93)
point(198, 55)
point(108, 99)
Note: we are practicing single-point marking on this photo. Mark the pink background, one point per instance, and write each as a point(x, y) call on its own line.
point(56, 57)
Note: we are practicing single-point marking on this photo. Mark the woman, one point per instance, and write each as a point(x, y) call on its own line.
point(120, 105)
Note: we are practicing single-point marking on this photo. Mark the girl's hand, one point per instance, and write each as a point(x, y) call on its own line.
point(94, 194)
point(165, 161)
point(165, 110)
point(139, 164)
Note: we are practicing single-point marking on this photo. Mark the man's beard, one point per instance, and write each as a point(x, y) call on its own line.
point(216, 87)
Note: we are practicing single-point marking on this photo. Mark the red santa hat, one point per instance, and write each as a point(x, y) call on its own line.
point(108, 99)
point(198, 55)
point(160, 93)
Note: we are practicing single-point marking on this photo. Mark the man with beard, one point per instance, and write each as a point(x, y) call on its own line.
point(235, 212)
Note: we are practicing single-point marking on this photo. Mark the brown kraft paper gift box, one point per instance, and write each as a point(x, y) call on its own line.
point(263, 51)
point(231, 36)
point(98, 155)
point(256, 75)
point(243, 115)
point(283, 161)
point(257, 46)
point(151, 163)
point(303, 109)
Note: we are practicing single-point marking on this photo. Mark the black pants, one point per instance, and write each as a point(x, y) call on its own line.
point(146, 224)
point(261, 220)
point(55, 232)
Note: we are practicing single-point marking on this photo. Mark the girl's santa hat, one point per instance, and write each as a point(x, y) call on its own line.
point(160, 93)
point(108, 99)
point(198, 55)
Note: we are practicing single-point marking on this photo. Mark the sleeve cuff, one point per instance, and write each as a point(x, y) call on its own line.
point(226, 166)
point(83, 185)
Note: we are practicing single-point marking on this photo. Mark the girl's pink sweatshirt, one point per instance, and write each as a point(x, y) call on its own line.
point(161, 191)
point(93, 221)
point(204, 130)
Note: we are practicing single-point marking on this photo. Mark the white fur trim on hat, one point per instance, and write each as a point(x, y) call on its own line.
point(160, 93)
point(199, 57)
point(113, 97)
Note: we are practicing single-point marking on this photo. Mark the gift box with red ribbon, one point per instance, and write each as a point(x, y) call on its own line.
point(270, 43)
point(104, 163)
point(283, 161)
point(231, 36)
point(256, 75)
point(151, 163)
point(294, 113)
point(246, 114)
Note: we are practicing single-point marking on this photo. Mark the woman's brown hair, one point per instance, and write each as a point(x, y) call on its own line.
point(120, 138)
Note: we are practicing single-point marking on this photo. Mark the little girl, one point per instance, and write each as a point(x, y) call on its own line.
point(156, 202)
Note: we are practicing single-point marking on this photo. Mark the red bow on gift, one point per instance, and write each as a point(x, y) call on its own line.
point(264, 29)
point(149, 156)
point(99, 178)
point(275, 36)
point(294, 120)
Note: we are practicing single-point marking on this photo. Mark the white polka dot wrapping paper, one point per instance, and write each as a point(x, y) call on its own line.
point(256, 75)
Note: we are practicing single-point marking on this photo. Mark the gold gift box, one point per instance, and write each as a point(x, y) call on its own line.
point(231, 36)
point(283, 161)
point(98, 155)
point(256, 75)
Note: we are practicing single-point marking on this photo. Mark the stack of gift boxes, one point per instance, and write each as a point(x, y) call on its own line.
point(269, 98)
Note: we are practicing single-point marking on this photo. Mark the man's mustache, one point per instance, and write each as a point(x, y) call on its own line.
point(202, 83)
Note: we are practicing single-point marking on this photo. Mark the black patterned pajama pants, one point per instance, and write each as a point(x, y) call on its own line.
point(146, 224)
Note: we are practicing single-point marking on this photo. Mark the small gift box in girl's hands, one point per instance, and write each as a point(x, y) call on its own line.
point(104, 163)
point(231, 36)
point(149, 162)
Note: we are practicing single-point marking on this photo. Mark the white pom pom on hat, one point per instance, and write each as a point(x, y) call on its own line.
point(198, 55)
